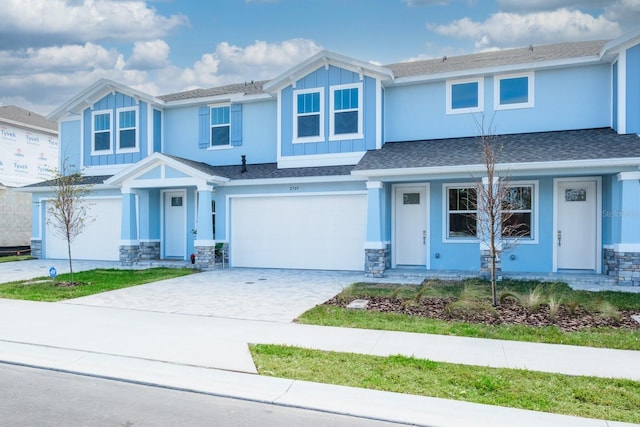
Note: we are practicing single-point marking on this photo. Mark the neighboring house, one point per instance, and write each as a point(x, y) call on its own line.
point(341, 164)
point(28, 150)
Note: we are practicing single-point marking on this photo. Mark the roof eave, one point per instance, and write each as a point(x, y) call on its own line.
point(232, 98)
point(96, 91)
point(470, 170)
point(511, 68)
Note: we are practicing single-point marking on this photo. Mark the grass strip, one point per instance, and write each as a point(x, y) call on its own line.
point(326, 315)
point(93, 282)
point(589, 397)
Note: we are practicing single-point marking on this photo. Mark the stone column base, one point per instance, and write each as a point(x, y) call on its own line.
point(623, 266)
point(485, 263)
point(205, 257)
point(149, 250)
point(377, 261)
point(36, 248)
point(129, 254)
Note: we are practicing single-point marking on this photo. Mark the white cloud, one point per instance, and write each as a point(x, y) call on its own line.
point(149, 55)
point(538, 5)
point(53, 22)
point(627, 12)
point(233, 64)
point(504, 29)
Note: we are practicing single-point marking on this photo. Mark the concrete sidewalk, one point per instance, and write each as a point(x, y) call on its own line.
point(210, 354)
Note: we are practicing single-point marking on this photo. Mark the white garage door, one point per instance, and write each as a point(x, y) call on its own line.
point(100, 239)
point(325, 232)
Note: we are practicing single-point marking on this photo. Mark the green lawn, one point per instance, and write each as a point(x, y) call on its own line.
point(610, 399)
point(12, 258)
point(592, 337)
point(93, 282)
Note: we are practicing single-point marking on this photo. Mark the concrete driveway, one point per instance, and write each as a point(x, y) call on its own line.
point(253, 294)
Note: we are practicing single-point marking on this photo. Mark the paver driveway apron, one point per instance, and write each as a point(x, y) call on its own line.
point(256, 294)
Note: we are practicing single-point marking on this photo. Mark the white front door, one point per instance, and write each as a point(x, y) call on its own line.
point(576, 236)
point(410, 225)
point(174, 228)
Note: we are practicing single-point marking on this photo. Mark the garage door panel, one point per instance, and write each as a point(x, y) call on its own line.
point(308, 232)
point(100, 239)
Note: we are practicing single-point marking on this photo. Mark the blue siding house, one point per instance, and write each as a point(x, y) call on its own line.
point(342, 164)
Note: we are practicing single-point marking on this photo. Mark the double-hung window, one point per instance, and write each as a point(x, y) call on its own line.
point(220, 126)
point(461, 212)
point(513, 91)
point(465, 96)
point(518, 211)
point(308, 121)
point(101, 131)
point(346, 111)
point(127, 134)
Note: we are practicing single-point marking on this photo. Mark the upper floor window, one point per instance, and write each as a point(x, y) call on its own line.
point(220, 126)
point(308, 121)
point(465, 96)
point(462, 211)
point(513, 91)
point(127, 134)
point(346, 111)
point(101, 131)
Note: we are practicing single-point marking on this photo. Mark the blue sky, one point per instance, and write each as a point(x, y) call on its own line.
point(50, 50)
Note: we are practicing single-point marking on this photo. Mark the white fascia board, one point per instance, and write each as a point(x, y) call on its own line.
point(479, 169)
point(232, 98)
point(511, 68)
point(29, 127)
point(97, 91)
point(52, 188)
point(294, 180)
point(316, 160)
point(625, 41)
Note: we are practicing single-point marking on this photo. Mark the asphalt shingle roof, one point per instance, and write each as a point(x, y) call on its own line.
point(525, 55)
point(26, 117)
point(264, 170)
point(247, 88)
point(85, 180)
point(589, 144)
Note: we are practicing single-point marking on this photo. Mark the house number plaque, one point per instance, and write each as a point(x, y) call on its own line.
point(575, 195)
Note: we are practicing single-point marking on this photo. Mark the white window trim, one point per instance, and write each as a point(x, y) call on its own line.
point(136, 147)
point(445, 214)
point(342, 136)
point(531, 91)
point(319, 138)
point(219, 147)
point(534, 212)
point(93, 132)
point(478, 109)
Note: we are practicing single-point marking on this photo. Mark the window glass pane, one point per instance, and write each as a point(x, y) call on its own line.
point(220, 135)
point(462, 225)
point(127, 119)
point(128, 138)
point(518, 198)
point(176, 201)
point(464, 95)
point(101, 122)
point(516, 224)
point(102, 141)
point(411, 199)
point(309, 103)
point(346, 122)
point(308, 125)
point(345, 99)
point(514, 91)
point(220, 116)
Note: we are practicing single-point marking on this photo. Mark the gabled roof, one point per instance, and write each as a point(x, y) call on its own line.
point(49, 185)
point(326, 58)
point(94, 93)
point(601, 146)
point(19, 116)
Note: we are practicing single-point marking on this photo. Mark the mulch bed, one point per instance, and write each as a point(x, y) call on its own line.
point(508, 312)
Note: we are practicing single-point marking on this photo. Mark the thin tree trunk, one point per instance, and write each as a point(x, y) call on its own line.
point(70, 263)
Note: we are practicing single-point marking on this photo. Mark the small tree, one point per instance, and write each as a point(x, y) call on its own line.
point(68, 210)
point(498, 229)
